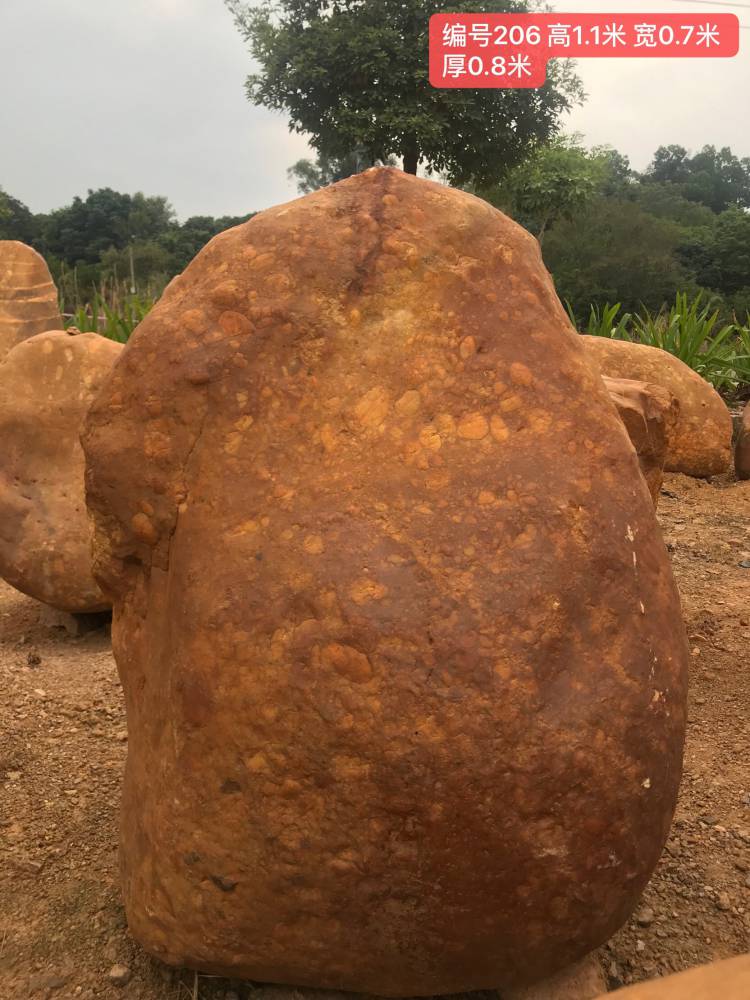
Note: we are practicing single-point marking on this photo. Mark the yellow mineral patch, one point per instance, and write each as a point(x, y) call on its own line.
point(520, 374)
point(194, 320)
point(446, 425)
point(467, 347)
point(487, 498)
point(233, 442)
point(328, 437)
point(429, 438)
point(498, 428)
point(257, 763)
point(234, 324)
point(409, 403)
point(226, 295)
point(313, 544)
point(540, 421)
point(143, 528)
point(473, 426)
point(511, 403)
point(364, 590)
point(246, 528)
point(346, 661)
point(373, 407)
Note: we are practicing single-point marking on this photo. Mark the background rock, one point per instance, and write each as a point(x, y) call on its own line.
point(28, 297)
point(701, 445)
point(650, 414)
point(46, 385)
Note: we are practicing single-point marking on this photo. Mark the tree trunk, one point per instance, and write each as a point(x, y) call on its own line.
point(411, 159)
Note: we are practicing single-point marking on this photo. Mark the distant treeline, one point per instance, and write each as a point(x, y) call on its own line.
point(110, 239)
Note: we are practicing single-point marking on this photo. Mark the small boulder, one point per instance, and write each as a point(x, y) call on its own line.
point(729, 980)
point(46, 385)
point(742, 446)
point(650, 414)
point(28, 297)
point(701, 444)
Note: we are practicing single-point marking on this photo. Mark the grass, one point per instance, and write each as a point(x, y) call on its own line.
point(112, 310)
point(116, 323)
point(688, 329)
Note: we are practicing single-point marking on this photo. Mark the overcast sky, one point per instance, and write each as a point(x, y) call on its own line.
point(148, 95)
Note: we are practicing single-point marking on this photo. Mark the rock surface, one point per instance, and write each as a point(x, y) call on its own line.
point(701, 445)
point(28, 297)
point(401, 649)
point(728, 980)
point(742, 447)
point(46, 385)
point(650, 414)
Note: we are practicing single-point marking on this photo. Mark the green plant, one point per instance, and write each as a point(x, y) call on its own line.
point(115, 320)
point(603, 321)
point(690, 330)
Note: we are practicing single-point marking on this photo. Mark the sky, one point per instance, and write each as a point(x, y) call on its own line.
point(148, 95)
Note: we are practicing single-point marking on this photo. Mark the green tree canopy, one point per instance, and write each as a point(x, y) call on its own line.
point(85, 229)
point(713, 177)
point(354, 74)
point(16, 221)
point(614, 251)
point(555, 183)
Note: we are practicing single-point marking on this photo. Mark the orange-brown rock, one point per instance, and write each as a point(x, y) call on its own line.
point(402, 652)
point(46, 385)
point(729, 980)
point(742, 446)
point(701, 445)
point(650, 414)
point(28, 297)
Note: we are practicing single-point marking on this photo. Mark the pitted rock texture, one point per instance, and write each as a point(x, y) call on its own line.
point(28, 297)
point(701, 445)
point(402, 652)
point(46, 385)
point(650, 414)
point(742, 446)
point(729, 980)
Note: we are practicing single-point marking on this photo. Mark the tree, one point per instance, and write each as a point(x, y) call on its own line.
point(185, 241)
point(713, 177)
point(720, 256)
point(324, 170)
point(84, 230)
point(613, 251)
point(16, 221)
point(354, 74)
point(554, 183)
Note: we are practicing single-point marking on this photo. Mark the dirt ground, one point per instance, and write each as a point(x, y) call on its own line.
point(63, 743)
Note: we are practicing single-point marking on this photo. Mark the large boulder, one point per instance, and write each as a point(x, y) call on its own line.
point(650, 414)
point(402, 653)
point(701, 445)
point(46, 385)
point(28, 297)
point(742, 446)
point(729, 980)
